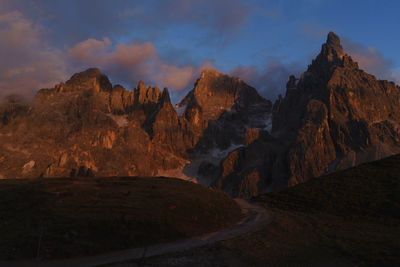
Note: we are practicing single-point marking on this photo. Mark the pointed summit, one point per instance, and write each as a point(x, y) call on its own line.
point(331, 55)
point(141, 86)
point(211, 73)
point(332, 50)
point(334, 41)
point(165, 98)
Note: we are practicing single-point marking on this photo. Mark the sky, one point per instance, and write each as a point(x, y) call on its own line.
point(169, 42)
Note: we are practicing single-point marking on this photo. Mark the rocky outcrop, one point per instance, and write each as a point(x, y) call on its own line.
point(334, 116)
point(343, 112)
point(215, 93)
point(87, 127)
point(164, 128)
point(217, 113)
point(12, 109)
point(219, 109)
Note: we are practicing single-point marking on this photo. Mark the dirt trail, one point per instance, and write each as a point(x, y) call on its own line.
point(255, 217)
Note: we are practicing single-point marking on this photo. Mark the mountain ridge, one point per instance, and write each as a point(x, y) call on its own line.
point(335, 116)
point(222, 133)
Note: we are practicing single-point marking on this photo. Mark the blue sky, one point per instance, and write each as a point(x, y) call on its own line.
point(168, 43)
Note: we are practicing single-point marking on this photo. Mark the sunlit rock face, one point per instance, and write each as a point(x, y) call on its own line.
point(334, 116)
point(222, 133)
point(218, 111)
point(355, 119)
point(87, 127)
point(215, 93)
point(215, 101)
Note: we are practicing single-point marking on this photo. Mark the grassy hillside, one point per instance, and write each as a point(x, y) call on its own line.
point(353, 213)
point(348, 218)
point(75, 217)
point(370, 190)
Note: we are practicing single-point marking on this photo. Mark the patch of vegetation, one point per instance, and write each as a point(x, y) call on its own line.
point(76, 217)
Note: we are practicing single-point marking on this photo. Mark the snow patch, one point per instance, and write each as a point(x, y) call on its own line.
point(121, 120)
point(262, 122)
point(180, 110)
point(218, 153)
point(268, 123)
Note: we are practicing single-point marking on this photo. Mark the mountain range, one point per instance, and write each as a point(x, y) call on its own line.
point(222, 133)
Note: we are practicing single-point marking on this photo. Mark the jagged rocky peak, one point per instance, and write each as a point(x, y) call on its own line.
point(210, 73)
point(89, 79)
point(165, 98)
point(215, 93)
point(118, 88)
point(332, 54)
point(333, 41)
point(332, 50)
point(141, 85)
point(212, 82)
point(337, 117)
point(147, 94)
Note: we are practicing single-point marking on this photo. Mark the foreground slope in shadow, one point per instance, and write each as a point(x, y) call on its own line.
point(62, 218)
point(347, 218)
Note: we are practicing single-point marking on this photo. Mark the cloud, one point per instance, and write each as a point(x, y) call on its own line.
point(44, 42)
point(73, 21)
point(271, 79)
point(222, 16)
point(371, 60)
point(91, 50)
point(27, 61)
point(30, 63)
point(128, 63)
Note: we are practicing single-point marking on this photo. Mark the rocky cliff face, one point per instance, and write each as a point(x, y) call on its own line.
point(223, 133)
point(87, 127)
point(215, 117)
point(215, 99)
point(334, 116)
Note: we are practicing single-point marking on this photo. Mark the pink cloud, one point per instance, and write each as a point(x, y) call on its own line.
point(91, 50)
point(371, 60)
point(132, 62)
point(27, 61)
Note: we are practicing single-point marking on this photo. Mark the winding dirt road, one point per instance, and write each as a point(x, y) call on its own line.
point(255, 217)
